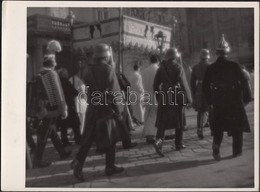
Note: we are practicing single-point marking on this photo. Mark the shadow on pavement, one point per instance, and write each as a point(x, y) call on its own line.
point(63, 176)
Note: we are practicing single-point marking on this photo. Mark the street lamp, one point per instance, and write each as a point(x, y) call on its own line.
point(71, 18)
point(160, 39)
point(174, 22)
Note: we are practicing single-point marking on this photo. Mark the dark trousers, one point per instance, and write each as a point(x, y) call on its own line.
point(71, 121)
point(236, 145)
point(85, 145)
point(29, 138)
point(178, 131)
point(44, 131)
point(201, 119)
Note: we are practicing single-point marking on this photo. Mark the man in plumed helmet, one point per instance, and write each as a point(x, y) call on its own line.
point(47, 104)
point(172, 93)
point(199, 101)
point(227, 92)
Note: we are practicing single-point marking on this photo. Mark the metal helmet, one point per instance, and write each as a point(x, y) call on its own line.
point(204, 54)
point(223, 45)
point(172, 53)
point(101, 50)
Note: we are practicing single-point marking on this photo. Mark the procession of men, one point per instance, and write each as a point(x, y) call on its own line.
point(97, 110)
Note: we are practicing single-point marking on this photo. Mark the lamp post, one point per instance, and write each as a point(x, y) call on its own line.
point(71, 18)
point(174, 23)
point(160, 39)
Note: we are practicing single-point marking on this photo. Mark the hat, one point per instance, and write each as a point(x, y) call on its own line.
point(101, 50)
point(172, 53)
point(49, 60)
point(204, 54)
point(54, 46)
point(223, 45)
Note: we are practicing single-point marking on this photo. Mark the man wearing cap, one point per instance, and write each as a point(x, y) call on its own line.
point(49, 104)
point(100, 77)
point(172, 93)
point(227, 92)
point(199, 101)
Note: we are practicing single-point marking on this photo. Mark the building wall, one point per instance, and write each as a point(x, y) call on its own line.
point(205, 27)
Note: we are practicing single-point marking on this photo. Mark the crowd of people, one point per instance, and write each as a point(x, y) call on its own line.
point(218, 92)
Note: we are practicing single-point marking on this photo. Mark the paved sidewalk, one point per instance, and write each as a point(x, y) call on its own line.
point(192, 167)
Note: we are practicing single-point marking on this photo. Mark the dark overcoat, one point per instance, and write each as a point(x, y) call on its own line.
point(170, 106)
point(106, 81)
point(197, 75)
point(227, 90)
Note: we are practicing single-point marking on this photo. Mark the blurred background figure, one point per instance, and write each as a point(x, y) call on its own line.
point(199, 100)
point(136, 82)
point(81, 100)
point(148, 74)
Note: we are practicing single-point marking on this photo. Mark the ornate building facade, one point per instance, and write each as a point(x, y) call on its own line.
point(196, 28)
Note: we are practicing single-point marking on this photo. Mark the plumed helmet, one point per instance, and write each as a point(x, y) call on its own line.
point(54, 46)
point(172, 53)
point(223, 45)
point(101, 50)
point(49, 60)
point(204, 54)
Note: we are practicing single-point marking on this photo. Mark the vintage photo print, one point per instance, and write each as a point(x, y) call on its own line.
point(130, 96)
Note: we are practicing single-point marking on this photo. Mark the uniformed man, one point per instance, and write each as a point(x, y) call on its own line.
point(100, 77)
point(45, 112)
point(199, 101)
point(227, 92)
point(172, 93)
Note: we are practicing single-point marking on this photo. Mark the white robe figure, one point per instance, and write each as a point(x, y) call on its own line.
point(136, 82)
point(150, 113)
point(80, 101)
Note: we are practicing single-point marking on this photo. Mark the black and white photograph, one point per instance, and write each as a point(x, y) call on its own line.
point(130, 96)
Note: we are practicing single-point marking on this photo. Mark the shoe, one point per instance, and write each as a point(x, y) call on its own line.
point(216, 153)
point(200, 133)
point(179, 147)
point(237, 154)
point(41, 164)
point(65, 155)
point(66, 144)
point(158, 147)
point(113, 170)
point(216, 156)
point(150, 140)
point(77, 170)
point(131, 145)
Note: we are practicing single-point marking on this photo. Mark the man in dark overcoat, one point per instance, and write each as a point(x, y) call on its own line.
point(227, 92)
point(173, 94)
point(199, 101)
point(72, 120)
point(100, 77)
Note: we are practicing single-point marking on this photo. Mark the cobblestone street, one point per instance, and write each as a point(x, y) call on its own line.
point(192, 167)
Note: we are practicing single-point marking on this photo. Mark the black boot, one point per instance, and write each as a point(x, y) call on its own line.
point(200, 133)
point(77, 170)
point(158, 146)
point(113, 170)
point(216, 153)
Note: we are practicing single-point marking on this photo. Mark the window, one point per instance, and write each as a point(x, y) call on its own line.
point(102, 14)
point(99, 15)
point(106, 13)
